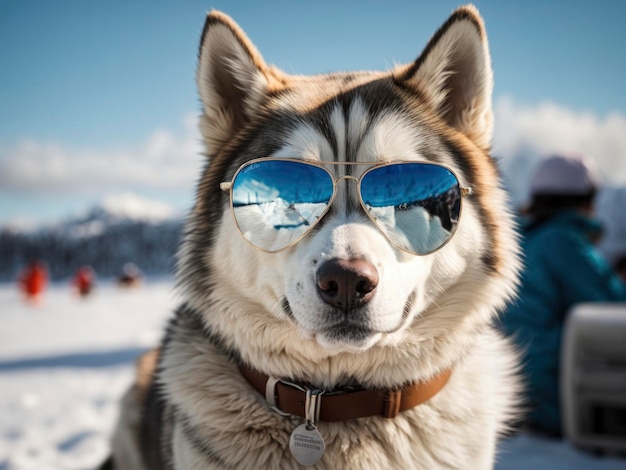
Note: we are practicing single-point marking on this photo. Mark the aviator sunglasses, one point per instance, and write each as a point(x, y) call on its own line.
point(277, 202)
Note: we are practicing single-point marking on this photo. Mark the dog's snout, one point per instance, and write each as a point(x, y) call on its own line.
point(347, 283)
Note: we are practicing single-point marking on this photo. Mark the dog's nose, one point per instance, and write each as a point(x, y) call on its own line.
point(347, 283)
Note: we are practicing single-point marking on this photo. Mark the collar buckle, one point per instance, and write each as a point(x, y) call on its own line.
point(313, 399)
point(271, 394)
point(312, 406)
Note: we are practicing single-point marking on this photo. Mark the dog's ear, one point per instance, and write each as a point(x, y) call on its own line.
point(454, 75)
point(232, 78)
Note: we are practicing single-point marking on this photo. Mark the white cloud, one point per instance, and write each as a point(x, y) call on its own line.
point(172, 160)
point(166, 160)
point(524, 134)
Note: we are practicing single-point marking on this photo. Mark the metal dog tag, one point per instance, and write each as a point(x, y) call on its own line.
point(306, 444)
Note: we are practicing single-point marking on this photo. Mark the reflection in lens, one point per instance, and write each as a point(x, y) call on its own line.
point(276, 202)
point(416, 205)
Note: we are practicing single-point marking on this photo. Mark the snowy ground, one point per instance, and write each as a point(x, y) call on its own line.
point(64, 364)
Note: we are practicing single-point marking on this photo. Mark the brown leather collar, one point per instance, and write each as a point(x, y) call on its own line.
point(289, 398)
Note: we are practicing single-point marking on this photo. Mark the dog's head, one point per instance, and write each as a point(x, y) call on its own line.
point(347, 285)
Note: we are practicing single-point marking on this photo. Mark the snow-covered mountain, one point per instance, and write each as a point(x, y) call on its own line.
point(105, 238)
point(120, 207)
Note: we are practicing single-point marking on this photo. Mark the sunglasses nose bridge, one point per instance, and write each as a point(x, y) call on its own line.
point(347, 178)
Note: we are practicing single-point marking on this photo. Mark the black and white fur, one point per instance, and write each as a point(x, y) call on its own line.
point(427, 313)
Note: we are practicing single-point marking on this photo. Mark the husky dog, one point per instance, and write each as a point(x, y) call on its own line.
point(347, 253)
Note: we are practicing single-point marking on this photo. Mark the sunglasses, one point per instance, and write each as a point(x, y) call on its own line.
point(277, 202)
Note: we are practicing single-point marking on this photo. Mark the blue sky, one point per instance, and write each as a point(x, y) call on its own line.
point(98, 98)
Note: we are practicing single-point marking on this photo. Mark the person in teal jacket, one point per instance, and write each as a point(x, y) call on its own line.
point(561, 268)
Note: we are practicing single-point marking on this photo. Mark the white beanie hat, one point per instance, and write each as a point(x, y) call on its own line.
point(564, 175)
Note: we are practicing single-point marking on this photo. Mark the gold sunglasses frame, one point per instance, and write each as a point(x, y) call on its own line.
point(227, 186)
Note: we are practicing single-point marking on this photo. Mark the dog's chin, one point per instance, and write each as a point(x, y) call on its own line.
point(346, 338)
point(336, 346)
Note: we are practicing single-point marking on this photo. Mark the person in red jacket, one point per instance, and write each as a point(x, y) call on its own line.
point(84, 280)
point(33, 280)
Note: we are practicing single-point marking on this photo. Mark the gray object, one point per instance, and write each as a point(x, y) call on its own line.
point(593, 377)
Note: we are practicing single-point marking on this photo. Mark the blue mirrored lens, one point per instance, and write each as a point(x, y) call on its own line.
point(416, 205)
point(276, 202)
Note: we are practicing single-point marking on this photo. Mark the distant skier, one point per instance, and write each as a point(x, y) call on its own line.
point(33, 280)
point(130, 276)
point(84, 280)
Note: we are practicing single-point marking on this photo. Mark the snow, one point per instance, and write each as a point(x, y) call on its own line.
point(65, 362)
point(63, 366)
